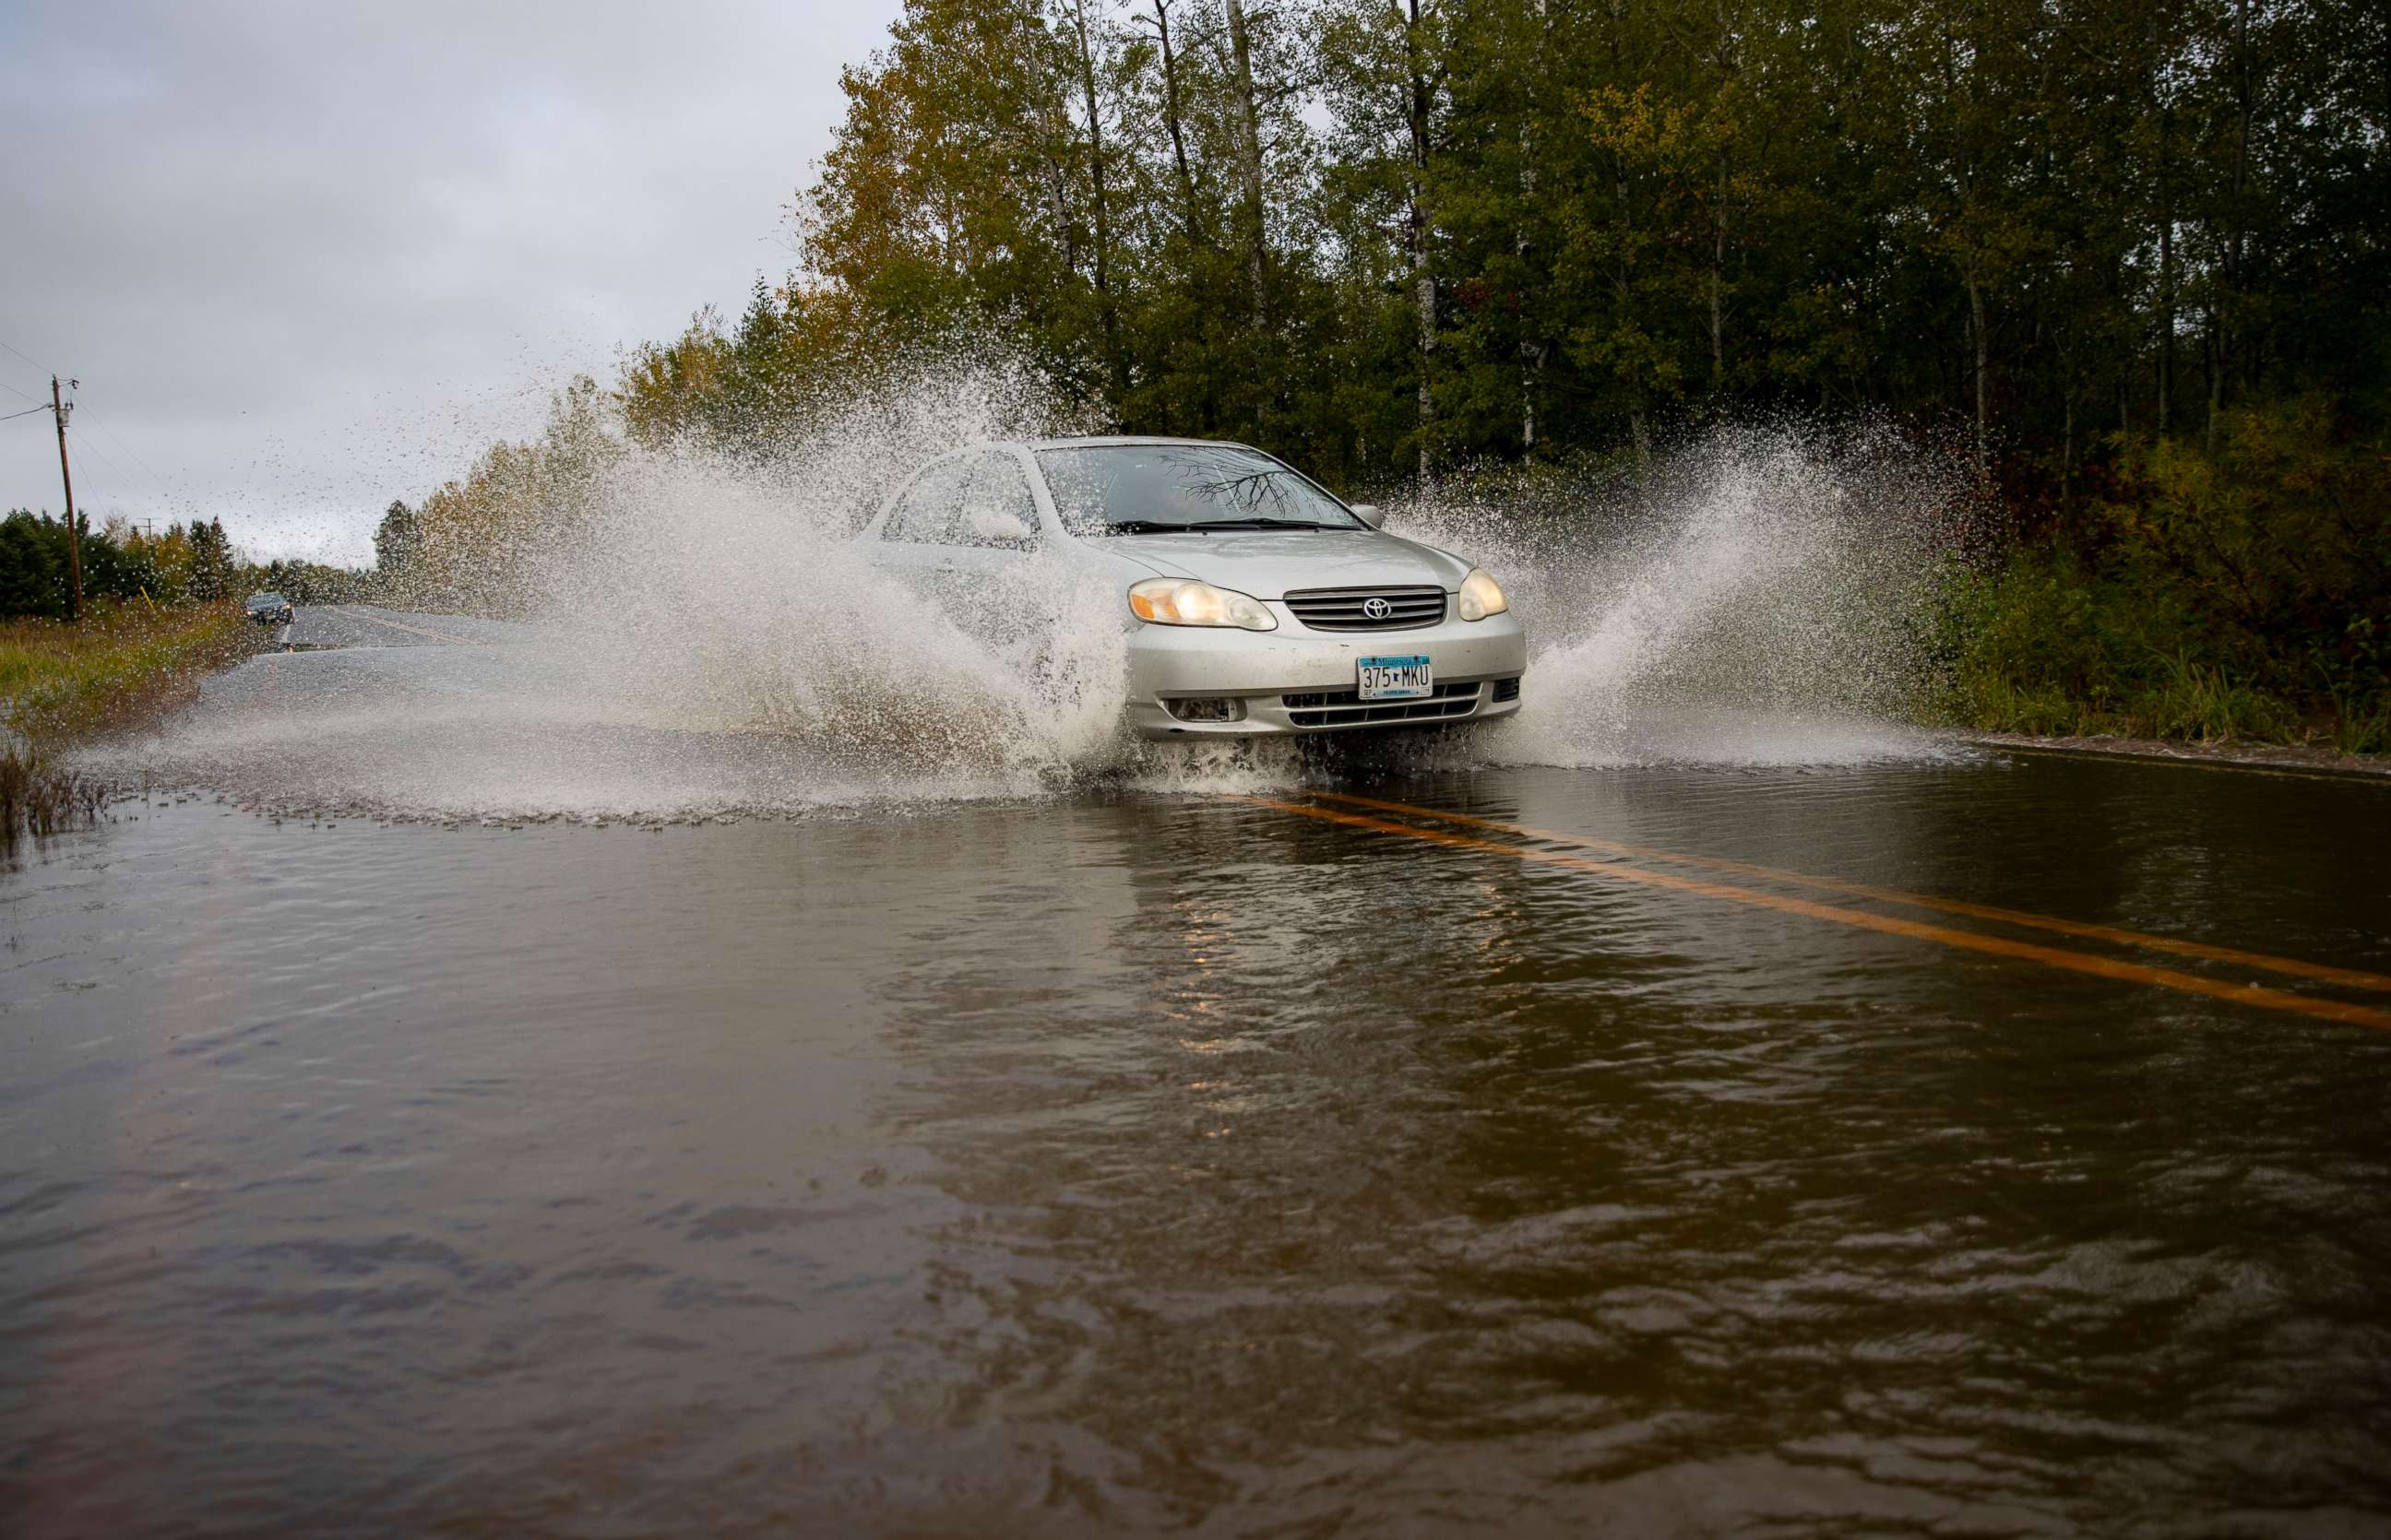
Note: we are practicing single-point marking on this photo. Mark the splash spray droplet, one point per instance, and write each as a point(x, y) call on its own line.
point(702, 636)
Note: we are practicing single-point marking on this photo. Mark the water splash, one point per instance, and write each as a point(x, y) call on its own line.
point(716, 600)
point(713, 642)
point(1759, 596)
point(698, 634)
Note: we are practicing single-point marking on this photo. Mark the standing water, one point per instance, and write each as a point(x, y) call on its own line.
point(1699, 1109)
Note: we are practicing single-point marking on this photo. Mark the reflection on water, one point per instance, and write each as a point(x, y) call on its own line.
point(1139, 1162)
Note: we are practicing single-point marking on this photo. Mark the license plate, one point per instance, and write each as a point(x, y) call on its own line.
point(1396, 678)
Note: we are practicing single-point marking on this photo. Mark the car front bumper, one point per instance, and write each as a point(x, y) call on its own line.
point(1298, 681)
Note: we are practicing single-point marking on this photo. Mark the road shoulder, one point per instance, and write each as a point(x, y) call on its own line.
point(2288, 759)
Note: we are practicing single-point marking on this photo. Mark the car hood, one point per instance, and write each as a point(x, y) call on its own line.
point(1266, 564)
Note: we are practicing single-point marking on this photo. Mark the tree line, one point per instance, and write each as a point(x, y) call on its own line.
point(1385, 236)
point(2129, 258)
point(181, 565)
point(184, 564)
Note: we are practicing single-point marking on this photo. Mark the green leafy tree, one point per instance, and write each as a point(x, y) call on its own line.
point(1390, 238)
point(397, 541)
point(212, 567)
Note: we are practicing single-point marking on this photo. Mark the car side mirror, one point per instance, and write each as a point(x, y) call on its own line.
point(1368, 514)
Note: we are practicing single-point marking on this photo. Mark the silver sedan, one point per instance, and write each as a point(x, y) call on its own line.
point(1257, 602)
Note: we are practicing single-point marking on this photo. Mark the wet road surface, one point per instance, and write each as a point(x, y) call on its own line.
point(346, 625)
point(1986, 1145)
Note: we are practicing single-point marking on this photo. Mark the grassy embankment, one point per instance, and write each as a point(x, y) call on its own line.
point(61, 682)
point(2238, 595)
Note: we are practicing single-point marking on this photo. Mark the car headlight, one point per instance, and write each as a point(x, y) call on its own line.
point(1480, 596)
point(1183, 601)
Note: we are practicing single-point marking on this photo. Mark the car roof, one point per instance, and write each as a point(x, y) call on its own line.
point(1107, 441)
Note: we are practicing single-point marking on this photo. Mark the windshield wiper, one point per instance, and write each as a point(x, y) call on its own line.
point(1273, 524)
point(1150, 526)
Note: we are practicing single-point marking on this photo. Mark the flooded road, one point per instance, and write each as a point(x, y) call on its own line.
point(1273, 1162)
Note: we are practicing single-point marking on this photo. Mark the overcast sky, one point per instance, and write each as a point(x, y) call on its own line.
point(306, 258)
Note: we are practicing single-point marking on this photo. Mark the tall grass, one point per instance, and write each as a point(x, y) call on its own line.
point(2364, 732)
point(62, 682)
point(41, 800)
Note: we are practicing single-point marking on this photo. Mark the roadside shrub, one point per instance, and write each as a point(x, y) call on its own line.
point(2278, 548)
point(2245, 594)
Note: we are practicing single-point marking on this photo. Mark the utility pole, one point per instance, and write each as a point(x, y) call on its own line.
point(58, 410)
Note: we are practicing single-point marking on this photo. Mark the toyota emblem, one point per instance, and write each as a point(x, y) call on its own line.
point(1377, 609)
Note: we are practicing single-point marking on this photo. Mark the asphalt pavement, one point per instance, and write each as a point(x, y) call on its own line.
point(342, 625)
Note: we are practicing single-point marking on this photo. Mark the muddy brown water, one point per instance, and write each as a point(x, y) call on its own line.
point(1134, 1163)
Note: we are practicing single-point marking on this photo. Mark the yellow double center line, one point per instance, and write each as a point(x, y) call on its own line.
point(1971, 940)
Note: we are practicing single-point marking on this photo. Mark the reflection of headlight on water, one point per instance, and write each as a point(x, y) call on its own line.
point(1183, 601)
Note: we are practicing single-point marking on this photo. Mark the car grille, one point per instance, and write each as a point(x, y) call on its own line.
point(1506, 689)
point(1342, 609)
point(1346, 708)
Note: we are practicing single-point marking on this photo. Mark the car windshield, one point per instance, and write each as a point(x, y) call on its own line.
point(265, 598)
point(1147, 488)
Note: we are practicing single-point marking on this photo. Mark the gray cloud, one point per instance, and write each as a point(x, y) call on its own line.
point(306, 258)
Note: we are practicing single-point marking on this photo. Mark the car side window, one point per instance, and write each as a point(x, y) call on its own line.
point(926, 514)
point(998, 508)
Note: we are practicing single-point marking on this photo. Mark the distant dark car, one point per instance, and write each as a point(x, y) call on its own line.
point(268, 608)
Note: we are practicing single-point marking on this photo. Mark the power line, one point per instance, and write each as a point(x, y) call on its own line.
point(84, 447)
point(26, 413)
point(127, 448)
point(82, 441)
point(28, 358)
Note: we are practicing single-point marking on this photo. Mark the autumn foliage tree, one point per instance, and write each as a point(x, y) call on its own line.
point(1384, 237)
point(1390, 238)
